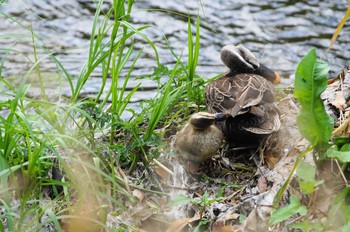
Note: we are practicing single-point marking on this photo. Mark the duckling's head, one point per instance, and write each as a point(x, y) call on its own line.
point(240, 60)
point(202, 120)
point(199, 139)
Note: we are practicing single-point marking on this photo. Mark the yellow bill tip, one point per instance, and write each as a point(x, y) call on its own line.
point(277, 79)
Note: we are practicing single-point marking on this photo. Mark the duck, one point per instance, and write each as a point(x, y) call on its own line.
point(199, 139)
point(246, 94)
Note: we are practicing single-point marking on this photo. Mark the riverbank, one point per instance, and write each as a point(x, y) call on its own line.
point(85, 142)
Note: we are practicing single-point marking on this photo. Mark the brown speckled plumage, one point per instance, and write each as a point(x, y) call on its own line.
point(246, 93)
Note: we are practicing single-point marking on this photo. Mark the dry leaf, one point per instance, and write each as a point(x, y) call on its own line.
point(344, 127)
point(251, 223)
point(138, 194)
point(231, 216)
point(141, 213)
point(219, 226)
point(229, 228)
point(271, 160)
point(262, 185)
point(178, 225)
point(254, 222)
point(339, 101)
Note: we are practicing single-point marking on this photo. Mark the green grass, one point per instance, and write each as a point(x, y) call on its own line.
point(39, 135)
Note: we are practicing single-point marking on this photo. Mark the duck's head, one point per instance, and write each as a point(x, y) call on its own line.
point(202, 120)
point(240, 60)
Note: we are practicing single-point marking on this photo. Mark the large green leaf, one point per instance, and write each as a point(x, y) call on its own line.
point(310, 81)
point(283, 213)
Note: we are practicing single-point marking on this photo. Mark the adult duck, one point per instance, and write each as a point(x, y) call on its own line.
point(246, 93)
point(200, 139)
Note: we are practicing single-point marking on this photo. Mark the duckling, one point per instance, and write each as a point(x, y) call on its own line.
point(200, 139)
point(246, 93)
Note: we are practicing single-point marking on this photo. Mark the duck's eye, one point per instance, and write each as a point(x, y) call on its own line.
point(221, 116)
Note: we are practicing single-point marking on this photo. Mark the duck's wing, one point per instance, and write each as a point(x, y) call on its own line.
point(236, 95)
point(219, 96)
point(270, 121)
point(252, 90)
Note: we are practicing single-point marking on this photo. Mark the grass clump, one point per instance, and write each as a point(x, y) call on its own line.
point(63, 160)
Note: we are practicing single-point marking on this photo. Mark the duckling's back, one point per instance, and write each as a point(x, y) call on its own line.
point(198, 145)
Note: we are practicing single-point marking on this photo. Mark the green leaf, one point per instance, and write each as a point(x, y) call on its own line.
point(242, 218)
point(307, 187)
point(202, 226)
point(285, 212)
point(345, 147)
point(310, 81)
point(179, 200)
point(339, 212)
point(306, 177)
point(340, 141)
point(306, 171)
point(342, 156)
point(307, 226)
point(346, 227)
point(2, 228)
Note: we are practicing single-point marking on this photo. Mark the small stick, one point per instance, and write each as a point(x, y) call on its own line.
point(341, 173)
point(163, 167)
point(120, 171)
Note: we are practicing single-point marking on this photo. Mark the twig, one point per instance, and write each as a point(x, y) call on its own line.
point(240, 167)
point(341, 172)
point(232, 195)
point(181, 187)
point(163, 167)
point(149, 190)
point(120, 171)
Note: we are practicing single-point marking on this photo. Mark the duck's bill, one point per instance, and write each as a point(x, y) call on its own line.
point(277, 79)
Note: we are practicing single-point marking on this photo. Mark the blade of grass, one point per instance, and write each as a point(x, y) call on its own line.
point(123, 102)
point(138, 32)
point(166, 97)
point(9, 215)
point(37, 67)
point(54, 219)
point(339, 28)
point(102, 56)
point(281, 191)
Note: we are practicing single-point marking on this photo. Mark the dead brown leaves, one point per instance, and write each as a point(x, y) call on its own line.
point(180, 224)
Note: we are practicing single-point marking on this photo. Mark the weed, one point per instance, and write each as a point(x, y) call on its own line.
point(316, 126)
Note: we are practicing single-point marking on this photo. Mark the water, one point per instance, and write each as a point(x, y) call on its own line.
point(279, 32)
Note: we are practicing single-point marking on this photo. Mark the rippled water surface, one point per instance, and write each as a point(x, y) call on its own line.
point(279, 32)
